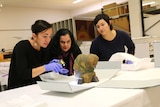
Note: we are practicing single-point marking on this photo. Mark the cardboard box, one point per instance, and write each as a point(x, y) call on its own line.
point(110, 5)
point(114, 9)
point(123, 8)
point(146, 7)
point(121, 24)
point(111, 9)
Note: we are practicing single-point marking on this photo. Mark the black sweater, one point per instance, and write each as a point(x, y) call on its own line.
point(24, 58)
point(104, 49)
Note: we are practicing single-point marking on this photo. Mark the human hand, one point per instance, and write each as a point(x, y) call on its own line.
point(127, 62)
point(56, 67)
point(52, 66)
point(64, 71)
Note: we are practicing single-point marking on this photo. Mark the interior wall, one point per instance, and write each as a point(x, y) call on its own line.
point(15, 23)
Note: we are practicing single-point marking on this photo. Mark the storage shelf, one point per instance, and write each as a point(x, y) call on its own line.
point(119, 16)
point(152, 10)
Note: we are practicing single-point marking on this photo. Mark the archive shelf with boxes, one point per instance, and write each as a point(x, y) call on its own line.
point(119, 14)
point(115, 10)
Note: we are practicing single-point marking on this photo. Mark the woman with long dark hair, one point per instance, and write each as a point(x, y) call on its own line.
point(64, 47)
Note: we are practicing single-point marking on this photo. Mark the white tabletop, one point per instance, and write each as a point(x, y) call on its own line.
point(95, 97)
point(33, 95)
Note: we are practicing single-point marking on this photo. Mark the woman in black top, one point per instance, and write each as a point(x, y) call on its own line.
point(29, 57)
point(63, 46)
point(110, 41)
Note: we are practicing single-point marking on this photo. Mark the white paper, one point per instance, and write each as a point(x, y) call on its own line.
point(52, 77)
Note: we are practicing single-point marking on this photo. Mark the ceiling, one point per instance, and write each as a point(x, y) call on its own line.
point(57, 4)
point(48, 4)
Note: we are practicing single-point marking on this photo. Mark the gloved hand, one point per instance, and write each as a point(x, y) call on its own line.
point(58, 61)
point(56, 67)
point(64, 71)
point(55, 60)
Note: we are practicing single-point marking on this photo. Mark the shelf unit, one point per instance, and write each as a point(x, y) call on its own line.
point(63, 24)
point(152, 10)
point(116, 10)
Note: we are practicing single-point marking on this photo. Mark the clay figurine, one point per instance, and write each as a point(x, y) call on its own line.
point(84, 68)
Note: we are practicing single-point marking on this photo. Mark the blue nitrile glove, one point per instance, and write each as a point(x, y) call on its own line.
point(64, 71)
point(58, 61)
point(56, 67)
point(127, 62)
point(54, 60)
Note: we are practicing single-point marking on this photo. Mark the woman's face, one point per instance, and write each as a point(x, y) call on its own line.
point(43, 38)
point(102, 27)
point(65, 42)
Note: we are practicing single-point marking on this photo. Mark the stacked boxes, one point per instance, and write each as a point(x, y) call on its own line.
point(123, 8)
point(146, 7)
point(111, 9)
point(115, 9)
point(121, 23)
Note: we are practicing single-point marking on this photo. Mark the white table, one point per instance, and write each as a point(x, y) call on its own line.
point(95, 97)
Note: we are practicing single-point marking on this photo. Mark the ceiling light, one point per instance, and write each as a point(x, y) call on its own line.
point(76, 1)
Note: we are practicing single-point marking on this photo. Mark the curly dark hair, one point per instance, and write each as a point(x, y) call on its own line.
point(55, 43)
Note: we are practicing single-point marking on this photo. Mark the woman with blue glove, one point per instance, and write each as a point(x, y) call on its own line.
point(29, 57)
point(64, 47)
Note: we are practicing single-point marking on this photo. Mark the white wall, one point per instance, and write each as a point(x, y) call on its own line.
point(15, 23)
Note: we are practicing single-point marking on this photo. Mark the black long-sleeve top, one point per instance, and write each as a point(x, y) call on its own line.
point(104, 49)
point(24, 58)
